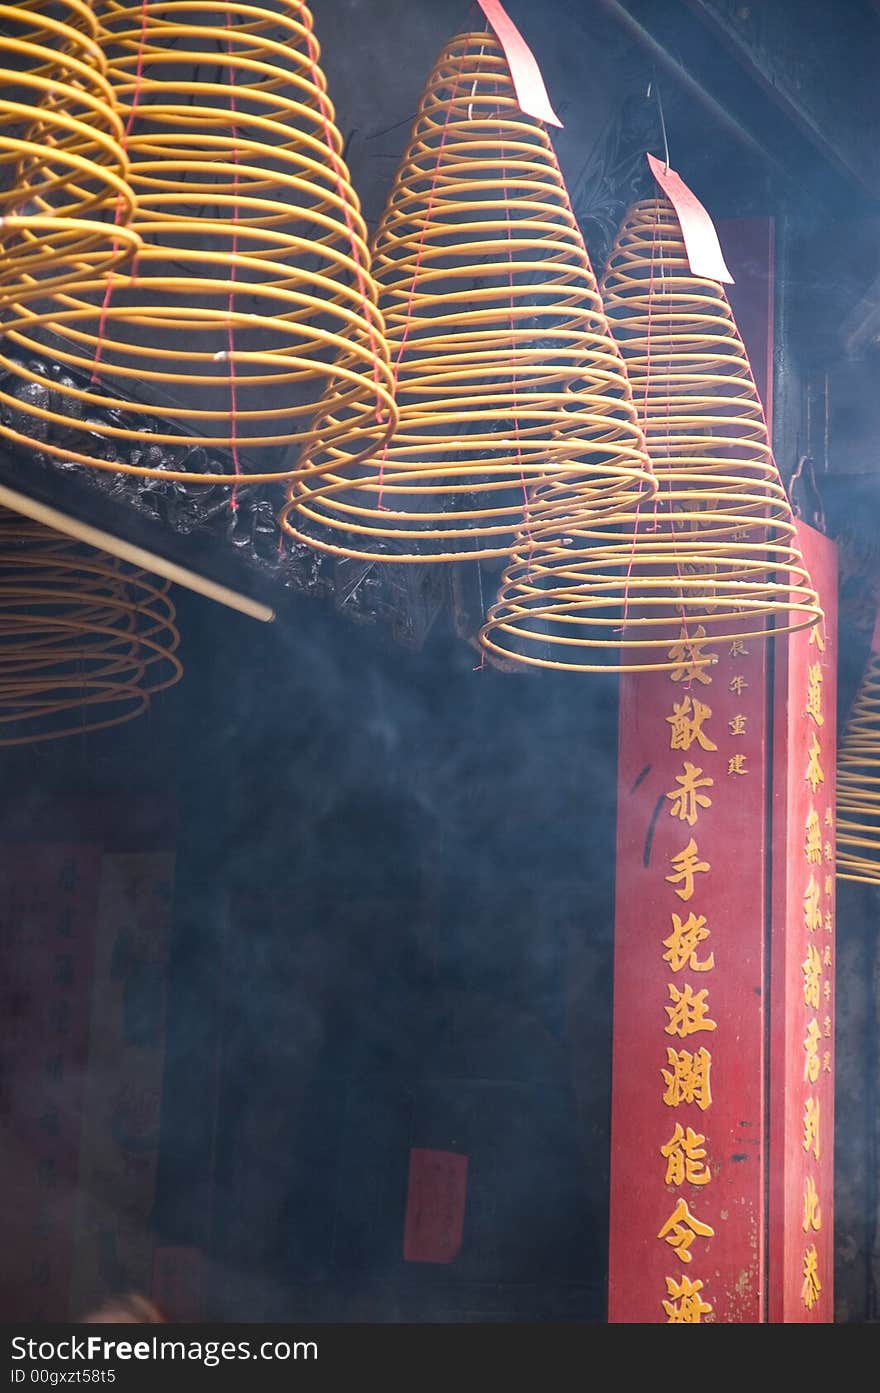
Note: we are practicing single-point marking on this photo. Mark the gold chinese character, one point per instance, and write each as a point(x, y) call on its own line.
point(685, 1158)
point(811, 1040)
point(818, 638)
point(814, 775)
point(826, 1026)
point(812, 1212)
point(737, 725)
point(826, 988)
point(688, 1078)
point(811, 1126)
point(826, 956)
point(736, 764)
point(812, 1286)
point(691, 661)
point(738, 649)
point(826, 1061)
point(687, 1015)
point(685, 1306)
point(691, 569)
point(829, 885)
point(683, 942)
point(829, 852)
point(680, 1230)
point(812, 968)
point(812, 907)
point(813, 838)
point(687, 722)
point(687, 865)
point(687, 799)
point(737, 684)
point(829, 822)
point(814, 694)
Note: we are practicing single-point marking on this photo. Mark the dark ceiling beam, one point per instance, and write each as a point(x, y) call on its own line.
point(683, 76)
point(769, 80)
point(817, 61)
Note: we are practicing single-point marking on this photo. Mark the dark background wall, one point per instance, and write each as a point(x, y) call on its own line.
point(394, 930)
point(393, 897)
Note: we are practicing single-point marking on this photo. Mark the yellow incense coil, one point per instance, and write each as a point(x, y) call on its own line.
point(64, 199)
point(504, 365)
point(858, 781)
point(250, 300)
point(715, 555)
point(86, 641)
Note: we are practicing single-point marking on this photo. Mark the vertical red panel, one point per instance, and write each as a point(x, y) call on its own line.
point(687, 1159)
point(801, 1250)
point(48, 910)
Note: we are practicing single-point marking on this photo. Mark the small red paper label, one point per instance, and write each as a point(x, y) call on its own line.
point(697, 228)
point(530, 90)
point(435, 1206)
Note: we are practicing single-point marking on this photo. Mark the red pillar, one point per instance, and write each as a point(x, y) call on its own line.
point(721, 1192)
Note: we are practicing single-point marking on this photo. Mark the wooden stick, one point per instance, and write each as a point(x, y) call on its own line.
point(105, 541)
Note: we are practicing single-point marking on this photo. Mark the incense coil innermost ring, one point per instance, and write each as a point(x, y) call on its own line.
point(250, 300)
point(86, 640)
point(858, 783)
point(504, 365)
point(64, 199)
point(716, 553)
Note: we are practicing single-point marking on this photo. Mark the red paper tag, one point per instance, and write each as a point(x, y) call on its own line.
point(700, 238)
point(530, 90)
point(435, 1206)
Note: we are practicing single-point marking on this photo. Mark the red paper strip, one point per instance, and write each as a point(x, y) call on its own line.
point(530, 90)
point(435, 1206)
point(803, 954)
point(700, 238)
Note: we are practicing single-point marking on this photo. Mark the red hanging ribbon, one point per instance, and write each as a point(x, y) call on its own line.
point(697, 228)
point(530, 90)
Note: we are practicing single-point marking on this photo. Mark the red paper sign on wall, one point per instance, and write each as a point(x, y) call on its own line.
point(435, 1206)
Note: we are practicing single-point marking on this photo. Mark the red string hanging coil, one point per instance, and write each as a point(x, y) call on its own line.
point(715, 556)
point(504, 365)
point(251, 299)
point(86, 641)
point(65, 202)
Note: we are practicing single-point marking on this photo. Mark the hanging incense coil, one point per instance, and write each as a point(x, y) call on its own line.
point(858, 780)
point(504, 365)
point(250, 300)
point(715, 556)
point(65, 204)
point(86, 641)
